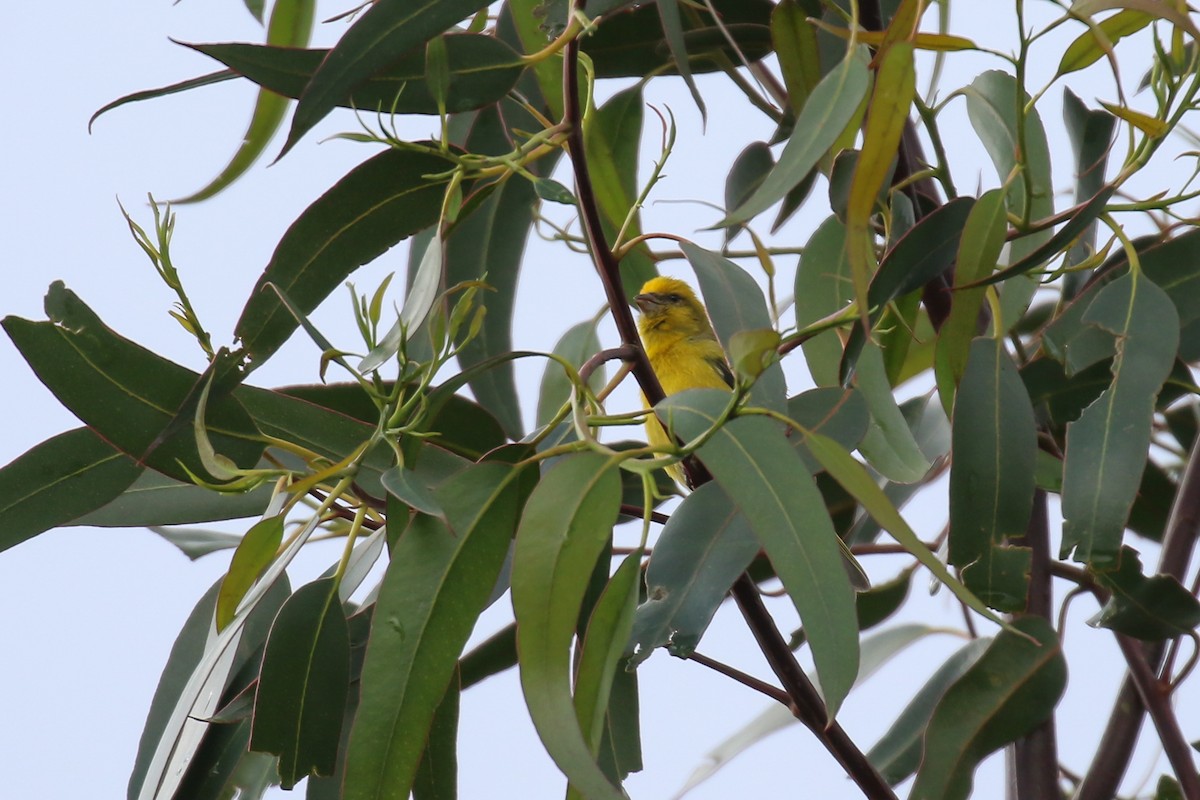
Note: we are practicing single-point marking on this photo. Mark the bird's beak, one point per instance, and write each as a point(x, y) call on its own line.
point(645, 302)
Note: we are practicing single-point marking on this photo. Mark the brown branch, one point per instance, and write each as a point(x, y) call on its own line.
point(741, 677)
point(1034, 761)
point(806, 704)
point(1120, 735)
point(1155, 696)
point(637, 512)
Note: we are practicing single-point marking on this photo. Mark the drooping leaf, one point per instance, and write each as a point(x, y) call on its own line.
point(302, 687)
point(1108, 442)
point(290, 26)
point(377, 204)
point(1010, 690)
point(923, 253)
point(436, 585)
point(488, 245)
point(822, 288)
point(197, 542)
point(187, 655)
point(58, 481)
point(829, 109)
point(150, 94)
point(889, 445)
point(891, 97)
point(897, 754)
point(124, 392)
point(1149, 608)
point(672, 28)
point(437, 776)
point(795, 41)
point(994, 446)
point(979, 250)
point(1091, 134)
point(608, 629)
point(385, 32)
point(764, 476)
point(1000, 577)
point(745, 176)
point(735, 303)
point(566, 526)
point(700, 552)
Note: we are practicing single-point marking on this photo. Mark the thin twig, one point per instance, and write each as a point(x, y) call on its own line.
point(741, 677)
point(637, 512)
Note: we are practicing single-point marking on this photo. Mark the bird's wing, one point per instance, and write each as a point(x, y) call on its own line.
point(721, 368)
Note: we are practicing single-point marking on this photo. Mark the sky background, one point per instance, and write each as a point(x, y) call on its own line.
point(91, 613)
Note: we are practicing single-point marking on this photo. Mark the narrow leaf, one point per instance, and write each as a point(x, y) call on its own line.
point(1089, 48)
point(302, 685)
point(763, 474)
point(828, 111)
point(1109, 441)
point(1008, 692)
point(436, 585)
point(1149, 608)
point(377, 204)
point(576, 346)
point(255, 552)
point(59, 480)
point(386, 31)
point(566, 525)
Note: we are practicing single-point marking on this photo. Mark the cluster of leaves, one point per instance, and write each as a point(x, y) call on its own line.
point(1079, 377)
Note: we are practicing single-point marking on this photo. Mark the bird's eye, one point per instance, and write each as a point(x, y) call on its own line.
point(673, 298)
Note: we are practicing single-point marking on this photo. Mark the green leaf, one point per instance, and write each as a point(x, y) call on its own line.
point(255, 552)
point(435, 587)
point(1009, 691)
point(631, 43)
point(891, 97)
point(700, 552)
point(154, 499)
point(576, 346)
point(822, 288)
point(58, 481)
point(829, 109)
point(482, 70)
point(187, 653)
point(1158, 10)
point(1091, 135)
point(437, 776)
point(195, 542)
point(1087, 48)
point(608, 629)
point(672, 28)
point(489, 245)
point(764, 476)
point(840, 414)
point(889, 445)
point(303, 683)
point(377, 204)
point(923, 253)
point(490, 657)
point(994, 446)
point(735, 303)
point(855, 479)
point(613, 144)
point(319, 429)
point(1000, 577)
point(387, 30)
point(745, 176)
point(1149, 608)
point(979, 250)
point(897, 754)
point(566, 526)
point(290, 26)
point(1108, 442)
point(795, 41)
point(129, 396)
point(150, 94)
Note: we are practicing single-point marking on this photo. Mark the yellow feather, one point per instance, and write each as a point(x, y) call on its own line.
point(681, 346)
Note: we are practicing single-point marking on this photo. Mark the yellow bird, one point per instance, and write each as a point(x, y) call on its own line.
point(681, 346)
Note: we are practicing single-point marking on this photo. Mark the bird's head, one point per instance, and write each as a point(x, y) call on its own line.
point(669, 304)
